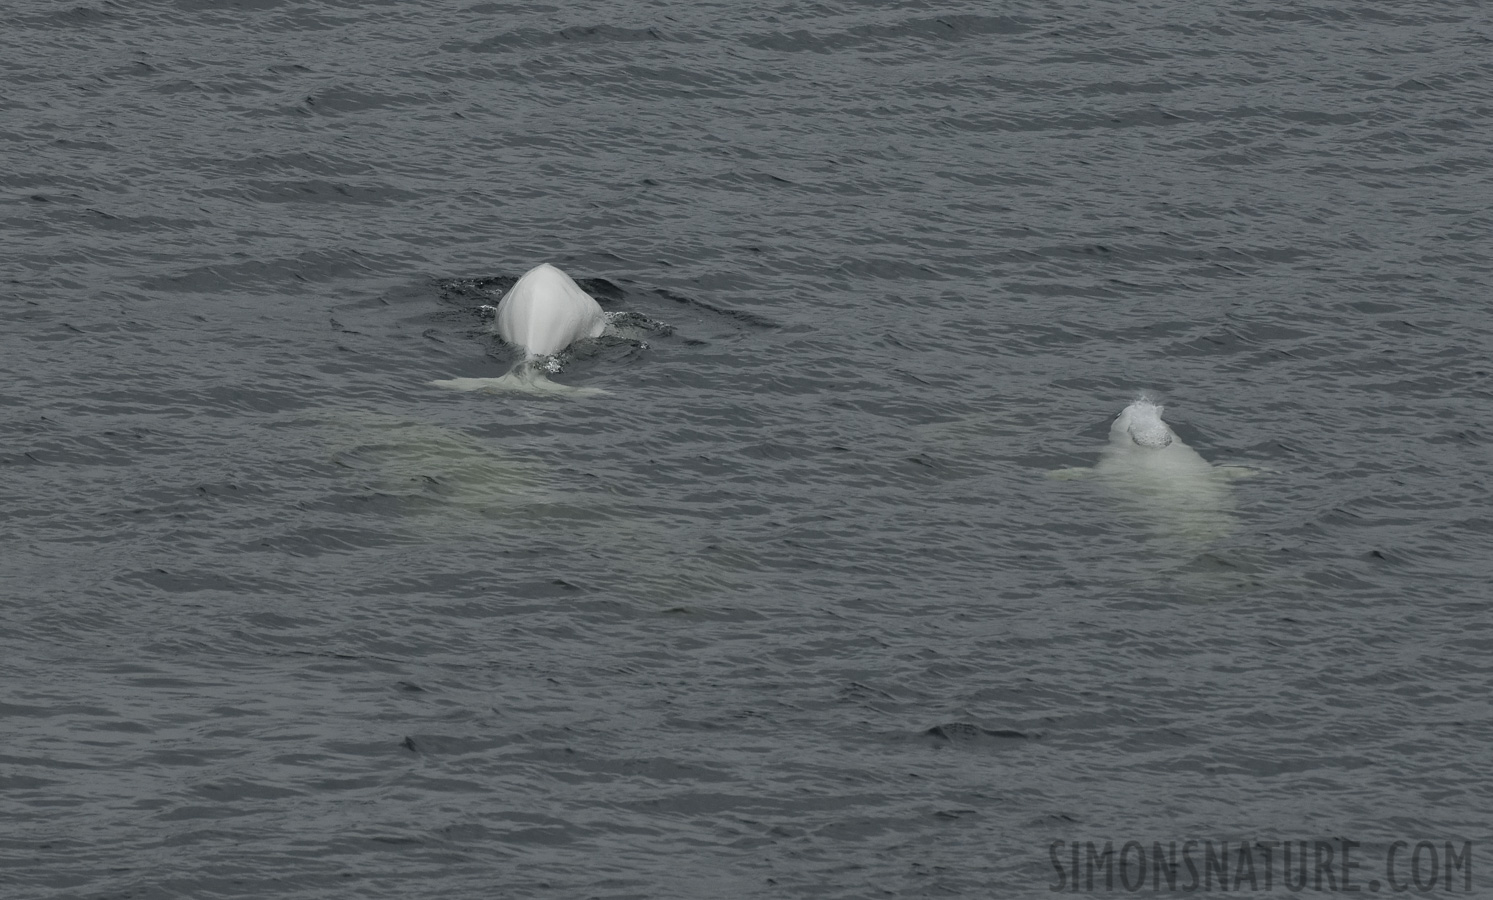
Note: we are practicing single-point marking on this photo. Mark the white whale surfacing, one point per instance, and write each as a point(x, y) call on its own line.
point(542, 314)
point(1165, 481)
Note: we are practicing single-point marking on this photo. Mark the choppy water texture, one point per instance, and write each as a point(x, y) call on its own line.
point(791, 610)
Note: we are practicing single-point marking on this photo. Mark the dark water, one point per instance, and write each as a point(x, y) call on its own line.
point(792, 610)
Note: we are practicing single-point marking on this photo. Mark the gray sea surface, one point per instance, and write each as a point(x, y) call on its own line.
point(793, 609)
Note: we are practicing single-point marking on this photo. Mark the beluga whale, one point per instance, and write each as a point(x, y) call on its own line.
point(1162, 480)
point(542, 314)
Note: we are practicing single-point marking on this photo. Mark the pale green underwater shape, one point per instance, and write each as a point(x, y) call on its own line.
point(431, 468)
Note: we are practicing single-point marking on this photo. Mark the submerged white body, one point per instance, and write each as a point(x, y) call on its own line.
point(546, 311)
point(543, 313)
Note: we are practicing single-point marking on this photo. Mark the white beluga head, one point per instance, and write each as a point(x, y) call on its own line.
point(1162, 480)
point(1141, 441)
point(1141, 423)
point(542, 314)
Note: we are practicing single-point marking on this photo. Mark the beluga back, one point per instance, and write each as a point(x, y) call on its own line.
point(542, 314)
